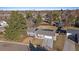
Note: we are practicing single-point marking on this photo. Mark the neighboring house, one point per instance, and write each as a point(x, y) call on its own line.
point(3, 24)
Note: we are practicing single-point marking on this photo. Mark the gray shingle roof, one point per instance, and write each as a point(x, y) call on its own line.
point(45, 32)
point(42, 31)
point(31, 30)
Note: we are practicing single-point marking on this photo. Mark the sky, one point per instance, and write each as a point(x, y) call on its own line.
point(38, 8)
point(39, 3)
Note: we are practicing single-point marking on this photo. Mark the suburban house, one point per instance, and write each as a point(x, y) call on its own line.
point(48, 36)
point(45, 34)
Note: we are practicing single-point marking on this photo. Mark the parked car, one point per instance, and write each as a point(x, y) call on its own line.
point(73, 38)
point(57, 24)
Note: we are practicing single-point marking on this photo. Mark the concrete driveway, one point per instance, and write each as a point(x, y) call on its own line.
point(7, 46)
point(69, 45)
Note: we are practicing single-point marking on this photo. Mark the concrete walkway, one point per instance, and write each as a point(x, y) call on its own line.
point(69, 45)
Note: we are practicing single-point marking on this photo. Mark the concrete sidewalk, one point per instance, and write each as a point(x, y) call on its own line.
point(69, 45)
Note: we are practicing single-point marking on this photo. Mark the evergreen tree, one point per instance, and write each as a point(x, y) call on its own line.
point(17, 26)
point(56, 15)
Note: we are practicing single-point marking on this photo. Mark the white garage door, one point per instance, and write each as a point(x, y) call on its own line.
point(47, 43)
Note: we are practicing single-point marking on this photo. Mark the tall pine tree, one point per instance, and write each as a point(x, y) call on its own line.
point(17, 26)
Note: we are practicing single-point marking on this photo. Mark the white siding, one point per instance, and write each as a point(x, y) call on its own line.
point(47, 43)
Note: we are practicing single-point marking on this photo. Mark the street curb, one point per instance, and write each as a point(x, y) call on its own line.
point(13, 42)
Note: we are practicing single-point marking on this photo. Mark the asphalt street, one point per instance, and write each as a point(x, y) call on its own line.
point(5, 46)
